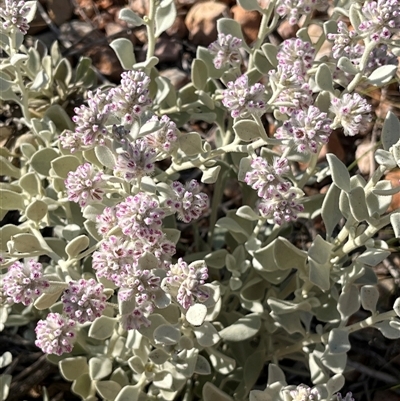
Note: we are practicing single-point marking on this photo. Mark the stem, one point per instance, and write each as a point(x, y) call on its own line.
point(151, 39)
point(310, 170)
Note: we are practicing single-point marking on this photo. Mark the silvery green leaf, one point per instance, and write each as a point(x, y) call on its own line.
point(36, 210)
point(28, 150)
point(347, 66)
point(254, 289)
point(261, 62)
point(72, 368)
point(287, 255)
point(340, 174)
point(199, 74)
point(348, 302)
point(84, 387)
point(120, 376)
point(99, 367)
point(164, 380)
point(206, 335)
point(130, 17)
point(77, 245)
point(148, 64)
point(390, 329)
point(30, 15)
point(247, 130)
point(6, 232)
point(102, 328)
point(373, 256)
point(395, 222)
point(270, 51)
point(105, 156)
point(323, 78)
point(210, 392)
point(107, 389)
point(252, 369)
point(64, 164)
point(249, 5)
point(159, 356)
point(136, 364)
point(382, 75)
point(40, 82)
point(63, 71)
point(41, 160)
point(5, 359)
point(231, 225)
point(123, 48)
point(323, 101)
point(385, 158)
point(202, 366)
point(206, 99)
point(229, 26)
point(166, 334)
point(338, 341)
point(330, 211)
point(11, 200)
point(385, 192)
point(128, 393)
point(4, 84)
point(244, 328)
point(165, 16)
point(196, 314)
point(369, 297)
point(396, 306)
point(358, 204)
point(204, 55)
point(71, 231)
point(24, 243)
point(247, 213)
point(303, 34)
point(379, 204)
point(344, 204)
point(355, 17)
point(390, 131)
point(8, 169)
point(191, 143)
point(330, 27)
point(18, 58)
point(172, 234)
point(210, 176)
point(319, 274)
point(334, 384)
point(5, 382)
point(320, 250)
point(283, 307)
point(335, 362)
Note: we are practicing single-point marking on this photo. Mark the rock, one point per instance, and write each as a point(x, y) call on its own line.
point(140, 7)
point(177, 77)
point(249, 20)
point(105, 60)
point(287, 31)
point(59, 11)
point(201, 21)
point(178, 29)
point(394, 177)
point(167, 50)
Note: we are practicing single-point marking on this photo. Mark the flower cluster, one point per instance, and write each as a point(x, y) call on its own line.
point(352, 113)
point(307, 130)
point(164, 139)
point(295, 9)
point(185, 282)
point(23, 283)
point(348, 397)
point(381, 19)
point(56, 334)
point(279, 198)
point(136, 161)
point(85, 185)
point(187, 200)
point(305, 393)
point(243, 101)
point(131, 98)
point(84, 300)
point(14, 15)
point(226, 51)
point(345, 43)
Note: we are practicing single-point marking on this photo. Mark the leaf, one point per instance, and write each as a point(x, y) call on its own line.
point(243, 329)
point(64, 164)
point(382, 75)
point(41, 160)
point(347, 66)
point(191, 144)
point(36, 211)
point(128, 393)
point(320, 250)
point(99, 367)
point(334, 384)
point(202, 366)
point(105, 156)
point(358, 204)
point(166, 334)
point(246, 212)
point(5, 383)
point(25, 243)
point(77, 245)
point(165, 16)
point(229, 26)
point(390, 131)
point(247, 130)
point(369, 297)
point(385, 158)
point(338, 341)
point(130, 17)
point(123, 48)
point(48, 299)
point(159, 356)
point(319, 274)
point(395, 222)
point(206, 335)
point(11, 200)
point(348, 302)
point(199, 74)
point(107, 389)
point(340, 174)
point(210, 175)
point(212, 393)
point(323, 78)
point(72, 368)
point(196, 314)
point(250, 5)
point(102, 328)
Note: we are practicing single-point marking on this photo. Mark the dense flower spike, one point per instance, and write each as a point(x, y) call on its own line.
point(186, 282)
point(243, 101)
point(140, 284)
point(352, 113)
point(297, 54)
point(14, 15)
point(381, 19)
point(90, 121)
point(106, 221)
point(137, 318)
point(84, 300)
point(56, 334)
point(306, 129)
point(294, 9)
point(23, 283)
point(113, 259)
point(136, 162)
point(187, 200)
point(164, 139)
point(267, 179)
point(131, 98)
point(85, 185)
point(283, 207)
point(345, 43)
point(226, 51)
point(139, 216)
point(348, 397)
point(305, 393)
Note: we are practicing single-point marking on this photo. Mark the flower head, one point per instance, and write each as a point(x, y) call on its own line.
point(306, 129)
point(345, 43)
point(296, 53)
point(56, 334)
point(294, 9)
point(84, 300)
point(185, 282)
point(226, 51)
point(14, 15)
point(138, 317)
point(242, 100)
point(106, 221)
point(305, 393)
point(131, 98)
point(187, 200)
point(164, 139)
point(23, 283)
point(381, 19)
point(352, 113)
point(348, 397)
point(85, 185)
point(136, 162)
point(140, 284)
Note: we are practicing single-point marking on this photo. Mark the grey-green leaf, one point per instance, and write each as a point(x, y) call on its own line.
point(340, 174)
point(123, 48)
point(243, 329)
point(390, 131)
